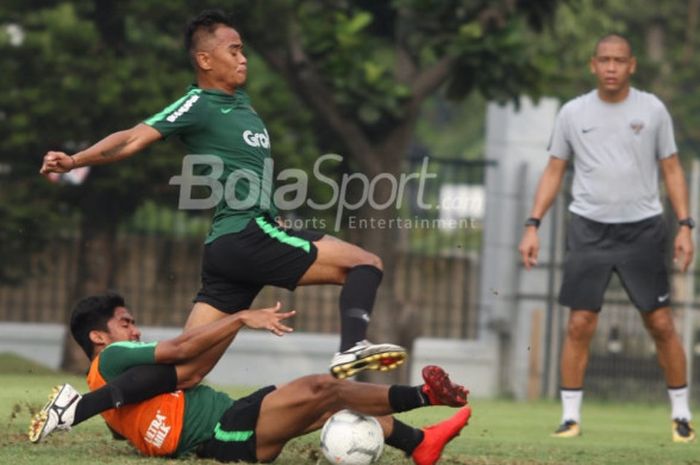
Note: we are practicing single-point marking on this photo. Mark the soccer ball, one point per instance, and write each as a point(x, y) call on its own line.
point(352, 439)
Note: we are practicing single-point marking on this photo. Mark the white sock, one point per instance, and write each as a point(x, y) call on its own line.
point(679, 403)
point(571, 404)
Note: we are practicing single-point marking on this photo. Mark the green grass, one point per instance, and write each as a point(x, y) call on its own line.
point(500, 432)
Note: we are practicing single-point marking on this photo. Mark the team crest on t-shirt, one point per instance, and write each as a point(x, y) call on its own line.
point(637, 125)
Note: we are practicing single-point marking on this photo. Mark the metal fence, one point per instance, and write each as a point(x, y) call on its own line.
point(437, 278)
point(159, 251)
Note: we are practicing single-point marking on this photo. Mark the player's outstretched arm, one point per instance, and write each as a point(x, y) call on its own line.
point(115, 147)
point(547, 190)
point(195, 352)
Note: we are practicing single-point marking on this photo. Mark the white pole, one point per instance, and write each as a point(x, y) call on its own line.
point(688, 313)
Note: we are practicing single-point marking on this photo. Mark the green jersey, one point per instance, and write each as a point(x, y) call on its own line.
point(212, 122)
point(203, 405)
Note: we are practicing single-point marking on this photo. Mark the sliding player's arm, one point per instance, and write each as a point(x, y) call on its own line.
point(195, 352)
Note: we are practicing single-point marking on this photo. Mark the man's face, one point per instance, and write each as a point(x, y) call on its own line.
point(227, 62)
point(121, 327)
point(613, 64)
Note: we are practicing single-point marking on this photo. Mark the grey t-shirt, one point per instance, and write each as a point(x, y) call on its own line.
point(616, 148)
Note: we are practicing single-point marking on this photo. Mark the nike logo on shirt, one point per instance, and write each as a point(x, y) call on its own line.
point(587, 130)
point(226, 110)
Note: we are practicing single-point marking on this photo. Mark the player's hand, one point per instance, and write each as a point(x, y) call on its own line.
point(683, 249)
point(529, 247)
point(269, 319)
point(57, 162)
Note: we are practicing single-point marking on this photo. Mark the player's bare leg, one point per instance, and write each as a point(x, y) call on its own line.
point(669, 349)
point(672, 359)
point(574, 359)
point(202, 314)
point(360, 272)
point(574, 356)
point(304, 404)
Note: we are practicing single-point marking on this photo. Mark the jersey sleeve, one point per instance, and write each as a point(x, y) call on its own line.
point(665, 141)
point(180, 116)
point(120, 356)
point(559, 145)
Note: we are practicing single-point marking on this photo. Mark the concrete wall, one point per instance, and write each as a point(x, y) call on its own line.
point(258, 358)
point(517, 139)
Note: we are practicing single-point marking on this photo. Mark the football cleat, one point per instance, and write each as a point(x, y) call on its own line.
point(57, 414)
point(436, 437)
point(440, 390)
point(366, 356)
point(568, 429)
point(682, 431)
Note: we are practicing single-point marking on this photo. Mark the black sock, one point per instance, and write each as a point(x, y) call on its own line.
point(356, 303)
point(404, 398)
point(136, 384)
point(404, 437)
point(93, 403)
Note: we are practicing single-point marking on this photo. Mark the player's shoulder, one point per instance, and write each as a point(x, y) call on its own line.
point(116, 348)
point(189, 103)
point(647, 98)
point(192, 99)
point(576, 103)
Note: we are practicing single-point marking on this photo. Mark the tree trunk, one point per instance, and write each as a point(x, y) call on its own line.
point(389, 322)
point(95, 274)
point(690, 30)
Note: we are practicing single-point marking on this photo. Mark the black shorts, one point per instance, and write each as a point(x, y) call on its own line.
point(234, 437)
point(635, 251)
point(236, 266)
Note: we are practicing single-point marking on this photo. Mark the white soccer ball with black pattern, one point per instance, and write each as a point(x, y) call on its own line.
point(351, 438)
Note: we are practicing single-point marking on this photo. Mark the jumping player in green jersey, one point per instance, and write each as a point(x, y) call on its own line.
point(246, 249)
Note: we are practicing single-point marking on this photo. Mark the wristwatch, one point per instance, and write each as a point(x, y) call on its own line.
point(533, 222)
point(689, 222)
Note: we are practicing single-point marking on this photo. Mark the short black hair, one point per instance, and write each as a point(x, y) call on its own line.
point(93, 313)
point(206, 21)
point(613, 36)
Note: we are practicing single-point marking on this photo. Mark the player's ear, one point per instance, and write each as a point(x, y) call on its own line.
point(203, 60)
point(633, 64)
point(591, 65)
point(98, 337)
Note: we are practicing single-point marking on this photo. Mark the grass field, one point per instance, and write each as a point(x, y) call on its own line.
point(500, 432)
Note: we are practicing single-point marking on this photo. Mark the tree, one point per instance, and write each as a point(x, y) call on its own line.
point(77, 71)
point(365, 69)
point(361, 69)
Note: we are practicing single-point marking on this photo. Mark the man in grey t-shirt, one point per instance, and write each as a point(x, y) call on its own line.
point(618, 138)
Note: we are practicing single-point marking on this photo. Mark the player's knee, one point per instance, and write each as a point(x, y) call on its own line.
point(325, 389)
point(662, 330)
point(581, 328)
point(376, 262)
point(370, 259)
